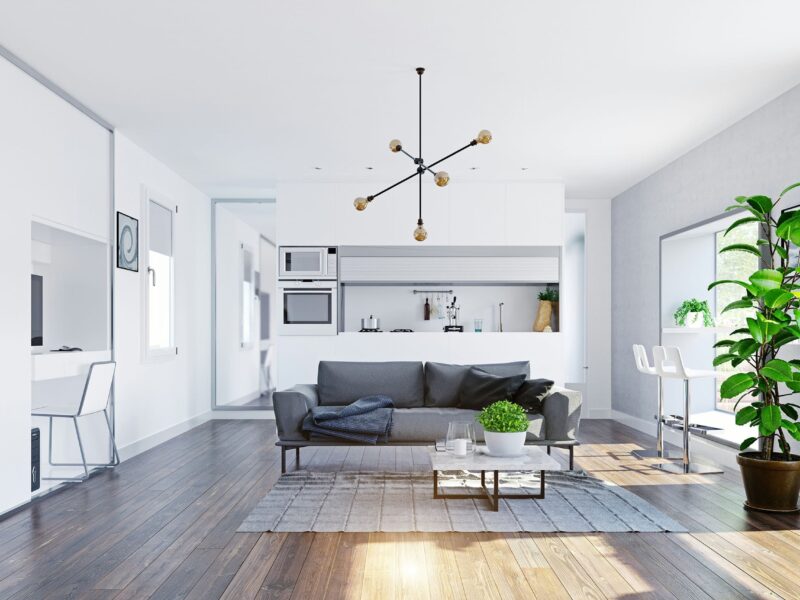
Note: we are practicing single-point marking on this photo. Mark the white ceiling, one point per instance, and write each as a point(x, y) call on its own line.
point(239, 94)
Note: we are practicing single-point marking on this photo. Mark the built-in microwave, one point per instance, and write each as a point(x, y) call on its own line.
point(307, 262)
point(308, 307)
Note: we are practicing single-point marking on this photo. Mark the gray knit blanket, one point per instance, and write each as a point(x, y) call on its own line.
point(367, 420)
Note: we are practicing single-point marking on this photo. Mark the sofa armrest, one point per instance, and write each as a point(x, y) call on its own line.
point(291, 406)
point(562, 414)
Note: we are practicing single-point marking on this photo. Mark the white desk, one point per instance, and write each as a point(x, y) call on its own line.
point(57, 365)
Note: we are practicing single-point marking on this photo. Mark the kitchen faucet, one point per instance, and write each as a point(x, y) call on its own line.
point(501, 316)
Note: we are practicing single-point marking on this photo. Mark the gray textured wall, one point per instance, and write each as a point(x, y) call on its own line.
point(759, 154)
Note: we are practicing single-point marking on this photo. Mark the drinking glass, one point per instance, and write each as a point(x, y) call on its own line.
point(478, 325)
point(460, 438)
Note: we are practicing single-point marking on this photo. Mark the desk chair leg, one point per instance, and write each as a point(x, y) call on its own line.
point(283, 460)
point(115, 454)
point(297, 458)
point(80, 445)
point(571, 462)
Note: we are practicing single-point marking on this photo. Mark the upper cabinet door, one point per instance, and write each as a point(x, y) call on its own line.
point(534, 214)
point(305, 215)
point(477, 214)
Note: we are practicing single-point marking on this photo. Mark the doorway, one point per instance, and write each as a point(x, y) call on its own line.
point(244, 262)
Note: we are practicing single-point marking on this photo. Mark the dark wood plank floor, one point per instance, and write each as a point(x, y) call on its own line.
point(162, 525)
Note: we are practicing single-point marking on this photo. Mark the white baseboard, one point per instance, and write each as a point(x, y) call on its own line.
point(151, 441)
point(267, 415)
point(599, 413)
point(705, 450)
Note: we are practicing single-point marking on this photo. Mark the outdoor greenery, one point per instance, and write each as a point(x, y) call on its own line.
point(550, 294)
point(503, 417)
point(774, 294)
point(693, 305)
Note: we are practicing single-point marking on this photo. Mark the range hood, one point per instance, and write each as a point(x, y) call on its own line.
point(453, 264)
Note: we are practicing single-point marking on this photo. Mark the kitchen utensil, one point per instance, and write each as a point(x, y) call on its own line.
point(371, 323)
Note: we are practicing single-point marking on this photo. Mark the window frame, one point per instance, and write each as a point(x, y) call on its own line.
point(150, 354)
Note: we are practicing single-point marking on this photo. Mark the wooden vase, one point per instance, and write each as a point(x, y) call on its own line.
point(543, 315)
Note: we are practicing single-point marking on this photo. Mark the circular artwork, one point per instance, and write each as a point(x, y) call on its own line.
point(127, 242)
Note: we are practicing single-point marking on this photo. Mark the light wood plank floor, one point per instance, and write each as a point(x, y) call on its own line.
point(162, 525)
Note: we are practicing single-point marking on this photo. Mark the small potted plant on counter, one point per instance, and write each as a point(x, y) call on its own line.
point(505, 426)
point(771, 473)
point(548, 306)
point(693, 313)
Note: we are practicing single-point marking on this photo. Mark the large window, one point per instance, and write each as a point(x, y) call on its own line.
point(737, 266)
point(159, 303)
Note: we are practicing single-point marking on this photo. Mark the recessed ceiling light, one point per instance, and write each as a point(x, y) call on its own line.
point(318, 168)
point(524, 168)
point(473, 168)
point(368, 168)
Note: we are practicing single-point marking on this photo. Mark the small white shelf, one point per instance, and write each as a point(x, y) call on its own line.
point(697, 330)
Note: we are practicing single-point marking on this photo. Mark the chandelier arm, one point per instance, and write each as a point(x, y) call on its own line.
point(472, 143)
point(420, 195)
point(394, 185)
point(408, 155)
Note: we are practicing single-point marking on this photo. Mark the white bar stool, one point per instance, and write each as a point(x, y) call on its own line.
point(669, 364)
point(643, 366)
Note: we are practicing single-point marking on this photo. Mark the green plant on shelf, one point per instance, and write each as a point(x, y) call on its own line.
point(503, 417)
point(693, 305)
point(549, 295)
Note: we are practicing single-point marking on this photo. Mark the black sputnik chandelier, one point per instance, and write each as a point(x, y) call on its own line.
point(441, 178)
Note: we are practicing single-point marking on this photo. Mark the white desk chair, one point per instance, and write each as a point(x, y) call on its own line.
point(643, 366)
point(669, 364)
point(96, 394)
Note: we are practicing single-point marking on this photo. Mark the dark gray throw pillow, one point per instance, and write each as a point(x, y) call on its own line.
point(443, 381)
point(479, 389)
point(531, 394)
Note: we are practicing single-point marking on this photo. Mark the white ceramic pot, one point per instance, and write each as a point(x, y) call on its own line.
point(695, 319)
point(505, 444)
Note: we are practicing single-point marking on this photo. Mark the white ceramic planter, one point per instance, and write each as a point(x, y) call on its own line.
point(695, 319)
point(505, 444)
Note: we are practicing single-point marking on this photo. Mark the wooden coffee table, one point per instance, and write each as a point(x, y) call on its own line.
point(534, 459)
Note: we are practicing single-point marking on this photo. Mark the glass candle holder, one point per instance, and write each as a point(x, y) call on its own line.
point(460, 440)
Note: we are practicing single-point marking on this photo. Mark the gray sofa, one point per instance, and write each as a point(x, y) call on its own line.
point(425, 399)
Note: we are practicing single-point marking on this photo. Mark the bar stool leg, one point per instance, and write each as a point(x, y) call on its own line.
point(658, 451)
point(686, 466)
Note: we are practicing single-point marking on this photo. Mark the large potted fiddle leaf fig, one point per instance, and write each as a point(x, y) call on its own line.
point(764, 393)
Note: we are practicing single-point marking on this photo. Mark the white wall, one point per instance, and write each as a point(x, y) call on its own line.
point(55, 164)
point(467, 214)
point(159, 398)
point(238, 367)
point(597, 398)
point(399, 308)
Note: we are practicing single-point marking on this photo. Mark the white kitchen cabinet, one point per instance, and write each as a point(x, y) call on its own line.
point(534, 214)
point(306, 215)
point(477, 214)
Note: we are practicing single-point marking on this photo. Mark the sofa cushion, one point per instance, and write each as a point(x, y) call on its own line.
point(443, 381)
point(428, 424)
point(532, 393)
point(345, 382)
point(479, 389)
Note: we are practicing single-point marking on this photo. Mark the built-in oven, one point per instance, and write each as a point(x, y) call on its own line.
point(308, 307)
point(309, 262)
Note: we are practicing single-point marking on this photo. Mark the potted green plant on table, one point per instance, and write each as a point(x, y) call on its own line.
point(771, 474)
point(505, 426)
point(693, 313)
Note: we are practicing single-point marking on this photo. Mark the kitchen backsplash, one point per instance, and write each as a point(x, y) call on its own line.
point(398, 307)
